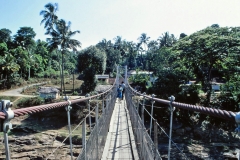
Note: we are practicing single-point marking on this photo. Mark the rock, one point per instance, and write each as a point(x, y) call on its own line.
point(230, 156)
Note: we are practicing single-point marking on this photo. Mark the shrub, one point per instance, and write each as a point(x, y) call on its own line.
point(27, 102)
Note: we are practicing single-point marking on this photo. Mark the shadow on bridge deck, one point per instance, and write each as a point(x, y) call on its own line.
point(120, 142)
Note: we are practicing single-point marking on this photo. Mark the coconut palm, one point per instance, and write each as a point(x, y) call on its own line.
point(166, 40)
point(104, 44)
point(61, 37)
point(49, 16)
point(143, 40)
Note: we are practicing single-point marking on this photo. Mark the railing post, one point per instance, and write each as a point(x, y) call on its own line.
point(138, 103)
point(6, 124)
point(143, 107)
point(125, 80)
point(156, 137)
point(84, 137)
point(89, 111)
point(96, 120)
point(152, 101)
point(68, 108)
point(171, 108)
point(103, 110)
point(117, 77)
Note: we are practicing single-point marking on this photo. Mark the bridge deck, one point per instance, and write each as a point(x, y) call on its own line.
point(120, 142)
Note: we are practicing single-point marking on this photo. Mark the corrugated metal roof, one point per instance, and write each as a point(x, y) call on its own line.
point(48, 90)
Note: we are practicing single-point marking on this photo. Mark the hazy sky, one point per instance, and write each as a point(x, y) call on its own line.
point(98, 19)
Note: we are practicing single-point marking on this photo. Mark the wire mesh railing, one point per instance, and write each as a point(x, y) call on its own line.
point(137, 100)
point(93, 147)
point(145, 145)
point(51, 148)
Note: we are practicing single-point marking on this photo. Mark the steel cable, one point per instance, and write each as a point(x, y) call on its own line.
point(40, 108)
point(229, 115)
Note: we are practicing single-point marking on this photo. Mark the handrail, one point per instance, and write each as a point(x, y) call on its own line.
point(229, 115)
point(40, 108)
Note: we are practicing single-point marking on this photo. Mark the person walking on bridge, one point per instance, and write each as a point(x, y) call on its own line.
point(123, 86)
point(119, 92)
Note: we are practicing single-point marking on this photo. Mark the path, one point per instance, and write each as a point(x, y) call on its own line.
point(120, 142)
point(17, 92)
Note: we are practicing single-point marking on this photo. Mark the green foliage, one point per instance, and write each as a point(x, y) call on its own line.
point(75, 93)
point(27, 102)
point(141, 80)
point(208, 49)
point(113, 58)
point(89, 79)
point(93, 58)
point(189, 93)
point(5, 35)
point(91, 61)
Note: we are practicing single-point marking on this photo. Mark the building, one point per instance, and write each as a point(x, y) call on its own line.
point(147, 73)
point(49, 92)
point(102, 77)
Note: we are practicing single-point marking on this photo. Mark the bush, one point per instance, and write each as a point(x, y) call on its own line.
point(27, 102)
point(75, 93)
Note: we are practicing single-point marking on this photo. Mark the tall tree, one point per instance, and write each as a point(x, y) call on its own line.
point(166, 40)
point(91, 61)
point(142, 47)
point(5, 35)
point(25, 38)
point(61, 37)
point(208, 49)
point(49, 16)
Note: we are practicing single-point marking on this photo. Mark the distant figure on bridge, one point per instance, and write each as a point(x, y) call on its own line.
point(119, 91)
point(123, 86)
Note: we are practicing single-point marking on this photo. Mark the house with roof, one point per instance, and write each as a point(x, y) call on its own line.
point(102, 77)
point(147, 73)
point(49, 92)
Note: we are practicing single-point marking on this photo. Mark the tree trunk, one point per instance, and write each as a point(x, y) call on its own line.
point(29, 72)
point(73, 82)
point(63, 77)
point(60, 73)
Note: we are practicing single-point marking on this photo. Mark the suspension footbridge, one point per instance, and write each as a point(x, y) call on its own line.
point(119, 130)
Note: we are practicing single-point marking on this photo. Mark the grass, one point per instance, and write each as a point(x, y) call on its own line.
point(11, 98)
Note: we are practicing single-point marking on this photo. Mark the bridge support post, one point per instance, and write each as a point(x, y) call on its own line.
point(6, 124)
point(171, 108)
point(152, 101)
point(68, 108)
point(84, 138)
point(103, 109)
point(143, 107)
point(89, 111)
point(96, 120)
point(155, 137)
point(138, 103)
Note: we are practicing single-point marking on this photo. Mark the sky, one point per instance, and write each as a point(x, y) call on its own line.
point(99, 19)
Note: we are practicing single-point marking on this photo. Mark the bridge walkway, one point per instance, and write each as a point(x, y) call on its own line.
point(120, 143)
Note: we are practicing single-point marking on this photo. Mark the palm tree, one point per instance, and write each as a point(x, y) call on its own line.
point(104, 44)
point(166, 40)
point(143, 40)
point(49, 16)
point(62, 38)
point(121, 45)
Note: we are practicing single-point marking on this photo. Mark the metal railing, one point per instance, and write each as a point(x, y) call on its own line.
point(93, 147)
point(145, 145)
